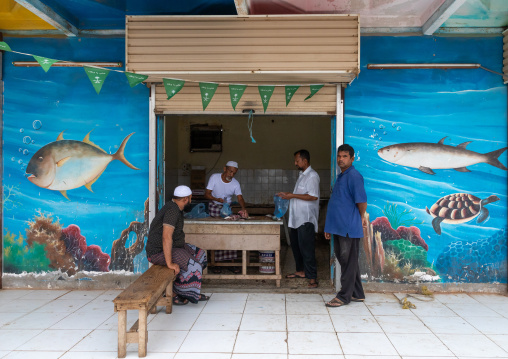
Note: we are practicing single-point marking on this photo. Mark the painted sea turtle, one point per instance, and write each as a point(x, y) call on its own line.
point(459, 208)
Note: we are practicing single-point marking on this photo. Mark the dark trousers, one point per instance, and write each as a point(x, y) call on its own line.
point(347, 251)
point(303, 245)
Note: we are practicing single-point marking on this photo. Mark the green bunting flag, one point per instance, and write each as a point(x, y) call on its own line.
point(45, 62)
point(236, 93)
point(207, 91)
point(265, 92)
point(4, 46)
point(290, 91)
point(172, 87)
point(313, 90)
point(97, 77)
point(135, 79)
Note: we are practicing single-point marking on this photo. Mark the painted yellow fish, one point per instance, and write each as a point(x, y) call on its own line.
point(68, 164)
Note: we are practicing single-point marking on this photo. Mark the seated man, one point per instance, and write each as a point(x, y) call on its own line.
point(166, 246)
point(222, 186)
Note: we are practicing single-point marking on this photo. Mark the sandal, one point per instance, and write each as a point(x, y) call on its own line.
point(359, 300)
point(217, 270)
point(335, 303)
point(180, 301)
point(203, 298)
point(235, 270)
point(294, 275)
point(313, 285)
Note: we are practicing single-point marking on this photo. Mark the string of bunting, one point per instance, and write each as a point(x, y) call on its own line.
point(97, 76)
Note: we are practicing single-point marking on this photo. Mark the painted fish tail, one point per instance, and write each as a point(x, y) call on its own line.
point(492, 158)
point(119, 155)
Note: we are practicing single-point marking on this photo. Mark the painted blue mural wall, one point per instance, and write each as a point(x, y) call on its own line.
point(421, 136)
point(52, 221)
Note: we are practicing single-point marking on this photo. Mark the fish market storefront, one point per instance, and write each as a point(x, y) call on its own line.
point(430, 144)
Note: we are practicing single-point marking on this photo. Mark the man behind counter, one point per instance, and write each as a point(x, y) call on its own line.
point(222, 186)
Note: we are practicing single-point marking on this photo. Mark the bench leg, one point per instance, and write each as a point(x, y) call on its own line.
point(142, 333)
point(122, 333)
point(244, 262)
point(169, 294)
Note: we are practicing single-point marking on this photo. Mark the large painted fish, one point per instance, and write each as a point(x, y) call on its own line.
point(428, 156)
point(68, 164)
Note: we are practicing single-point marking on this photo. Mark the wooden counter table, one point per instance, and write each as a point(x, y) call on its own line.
point(254, 234)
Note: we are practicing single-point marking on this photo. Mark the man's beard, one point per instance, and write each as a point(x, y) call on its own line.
point(187, 207)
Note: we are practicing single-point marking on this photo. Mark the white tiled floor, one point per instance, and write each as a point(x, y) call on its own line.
point(81, 325)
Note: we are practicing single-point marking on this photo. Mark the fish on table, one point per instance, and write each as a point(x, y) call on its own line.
point(430, 156)
point(68, 164)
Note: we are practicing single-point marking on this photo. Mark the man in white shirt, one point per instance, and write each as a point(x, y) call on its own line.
point(303, 218)
point(221, 187)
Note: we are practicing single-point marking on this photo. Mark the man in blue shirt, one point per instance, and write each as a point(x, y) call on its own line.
point(344, 220)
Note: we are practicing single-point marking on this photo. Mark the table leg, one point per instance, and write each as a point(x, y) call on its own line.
point(122, 333)
point(169, 297)
point(277, 267)
point(142, 333)
point(244, 262)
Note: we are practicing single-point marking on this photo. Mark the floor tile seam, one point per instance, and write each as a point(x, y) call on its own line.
point(506, 351)
point(387, 337)
point(471, 324)
point(50, 328)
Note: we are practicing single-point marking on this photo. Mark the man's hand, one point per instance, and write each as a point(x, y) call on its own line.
point(328, 236)
point(285, 195)
point(220, 200)
point(174, 267)
point(365, 222)
point(243, 213)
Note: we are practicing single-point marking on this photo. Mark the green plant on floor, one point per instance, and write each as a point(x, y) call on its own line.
point(398, 218)
point(19, 257)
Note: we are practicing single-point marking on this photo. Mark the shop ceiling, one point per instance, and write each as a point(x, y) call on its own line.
point(106, 18)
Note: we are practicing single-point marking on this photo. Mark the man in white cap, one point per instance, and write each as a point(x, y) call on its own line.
point(166, 246)
point(221, 187)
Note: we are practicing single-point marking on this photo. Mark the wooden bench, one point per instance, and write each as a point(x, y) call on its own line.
point(144, 295)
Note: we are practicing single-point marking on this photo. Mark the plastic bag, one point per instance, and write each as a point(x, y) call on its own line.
point(281, 206)
point(226, 210)
point(197, 212)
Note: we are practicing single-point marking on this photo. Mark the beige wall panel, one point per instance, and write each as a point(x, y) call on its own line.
point(188, 100)
point(277, 138)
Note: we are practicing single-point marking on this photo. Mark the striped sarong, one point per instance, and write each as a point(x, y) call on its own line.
point(192, 261)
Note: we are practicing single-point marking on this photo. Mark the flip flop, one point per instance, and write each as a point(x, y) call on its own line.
point(313, 285)
point(235, 270)
point(359, 300)
point(217, 270)
point(203, 298)
point(180, 301)
point(335, 303)
point(294, 275)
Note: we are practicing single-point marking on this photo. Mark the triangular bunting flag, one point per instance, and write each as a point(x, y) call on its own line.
point(4, 46)
point(172, 86)
point(313, 90)
point(265, 92)
point(45, 62)
point(96, 76)
point(135, 79)
point(290, 91)
point(207, 91)
point(236, 93)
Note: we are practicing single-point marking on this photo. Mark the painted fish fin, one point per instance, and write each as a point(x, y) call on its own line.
point(87, 140)
point(489, 199)
point(463, 145)
point(492, 158)
point(426, 170)
point(484, 214)
point(441, 141)
point(119, 155)
point(436, 224)
point(89, 184)
point(60, 136)
point(427, 209)
point(64, 193)
point(462, 169)
point(62, 161)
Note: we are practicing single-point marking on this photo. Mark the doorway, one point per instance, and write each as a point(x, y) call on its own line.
point(265, 168)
